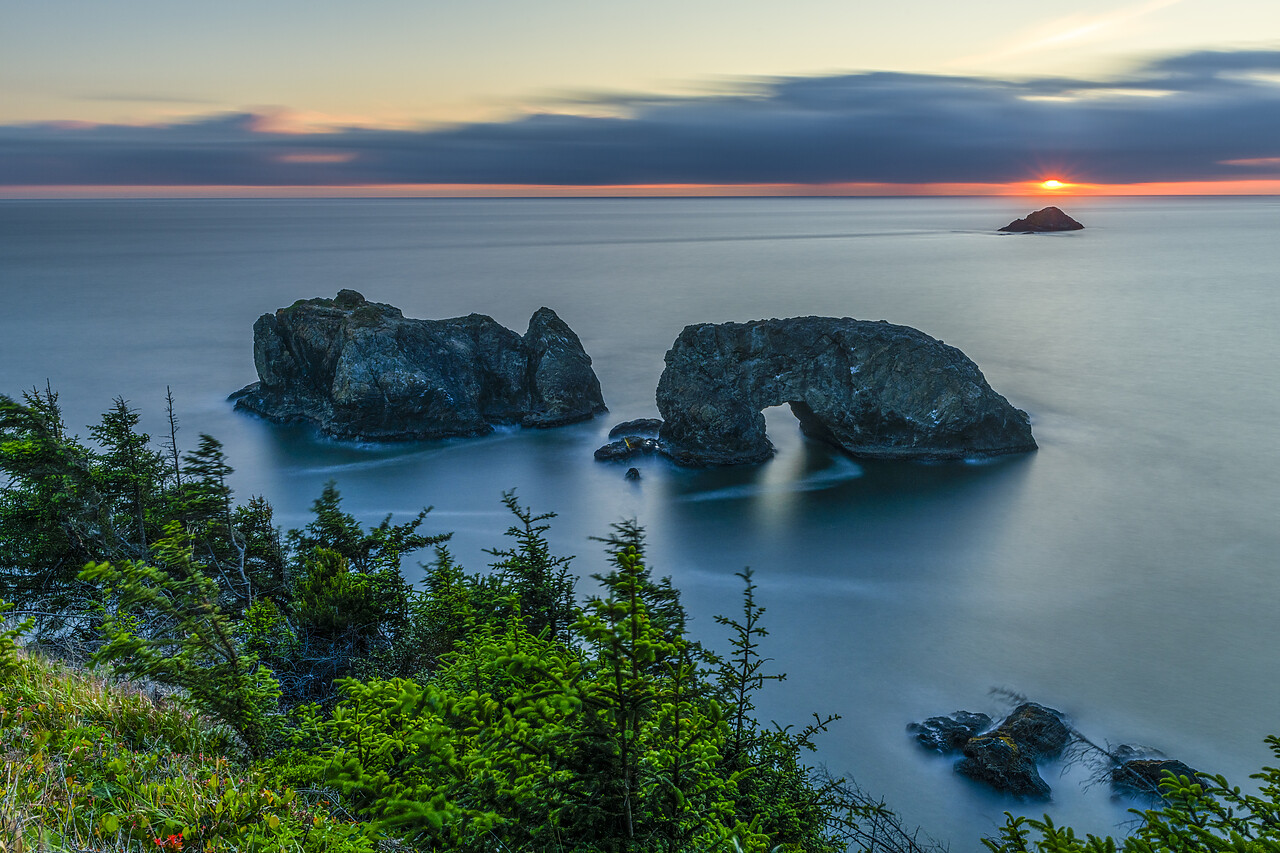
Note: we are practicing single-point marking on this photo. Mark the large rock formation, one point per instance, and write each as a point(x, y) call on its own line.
point(1045, 219)
point(359, 369)
point(870, 388)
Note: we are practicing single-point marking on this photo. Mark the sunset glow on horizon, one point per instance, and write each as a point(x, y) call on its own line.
point(1025, 189)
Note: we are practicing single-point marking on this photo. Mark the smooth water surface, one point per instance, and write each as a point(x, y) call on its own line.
point(1125, 573)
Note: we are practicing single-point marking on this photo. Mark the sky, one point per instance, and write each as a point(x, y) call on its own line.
point(697, 97)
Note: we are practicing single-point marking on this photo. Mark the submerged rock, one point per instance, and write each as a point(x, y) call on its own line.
point(948, 734)
point(1136, 774)
point(627, 447)
point(632, 474)
point(1006, 758)
point(1044, 220)
point(362, 370)
point(872, 389)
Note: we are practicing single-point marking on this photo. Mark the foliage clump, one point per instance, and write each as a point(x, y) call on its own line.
point(486, 711)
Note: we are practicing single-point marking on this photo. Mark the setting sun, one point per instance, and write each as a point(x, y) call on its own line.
point(1052, 184)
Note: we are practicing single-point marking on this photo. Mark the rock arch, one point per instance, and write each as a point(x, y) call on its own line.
point(871, 388)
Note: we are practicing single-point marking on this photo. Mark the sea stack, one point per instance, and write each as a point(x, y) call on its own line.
point(872, 389)
point(362, 370)
point(1044, 220)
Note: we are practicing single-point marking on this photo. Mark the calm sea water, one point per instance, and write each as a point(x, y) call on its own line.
point(1126, 573)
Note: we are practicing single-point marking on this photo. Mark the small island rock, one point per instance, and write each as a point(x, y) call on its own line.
point(1044, 220)
point(362, 370)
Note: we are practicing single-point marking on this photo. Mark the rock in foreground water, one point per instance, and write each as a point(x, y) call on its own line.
point(1136, 773)
point(362, 370)
point(639, 426)
point(872, 389)
point(948, 734)
point(1006, 758)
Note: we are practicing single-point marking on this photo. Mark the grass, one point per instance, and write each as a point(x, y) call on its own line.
point(92, 765)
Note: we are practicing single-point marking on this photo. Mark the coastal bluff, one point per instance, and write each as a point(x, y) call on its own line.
point(362, 370)
point(872, 389)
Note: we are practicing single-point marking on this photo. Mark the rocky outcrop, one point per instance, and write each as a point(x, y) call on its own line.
point(872, 389)
point(1006, 758)
point(362, 370)
point(633, 438)
point(1046, 219)
point(948, 734)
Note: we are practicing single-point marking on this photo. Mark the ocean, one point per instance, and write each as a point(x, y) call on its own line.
point(1125, 573)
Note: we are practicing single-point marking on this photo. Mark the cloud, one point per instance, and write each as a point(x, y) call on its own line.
point(1200, 116)
point(1071, 30)
point(138, 98)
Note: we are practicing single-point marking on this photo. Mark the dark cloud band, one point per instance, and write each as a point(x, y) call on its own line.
point(1202, 116)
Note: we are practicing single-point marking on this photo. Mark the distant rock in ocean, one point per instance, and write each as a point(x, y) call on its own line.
point(362, 370)
point(872, 389)
point(1048, 219)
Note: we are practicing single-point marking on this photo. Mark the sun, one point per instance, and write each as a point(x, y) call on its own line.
point(1052, 184)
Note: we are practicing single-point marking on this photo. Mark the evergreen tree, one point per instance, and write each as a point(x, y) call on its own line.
point(130, 475)
point(266, 562)
point(53, 516)
point(166, 625)
point(378, 549)
point(539, 582)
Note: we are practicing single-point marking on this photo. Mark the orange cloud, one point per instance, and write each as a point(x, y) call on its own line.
point(317, 157)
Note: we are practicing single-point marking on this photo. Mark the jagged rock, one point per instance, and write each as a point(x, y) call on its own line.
point(1046, 219)
point(1040, 732)
point(563, 388)
point(632, 474)
point(1006, 758)
point(997, 761)
point(640, 426)
point(362, 370)
point(872, 389)
point(948, 734)
point(1136, 774)
point(627, 447)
